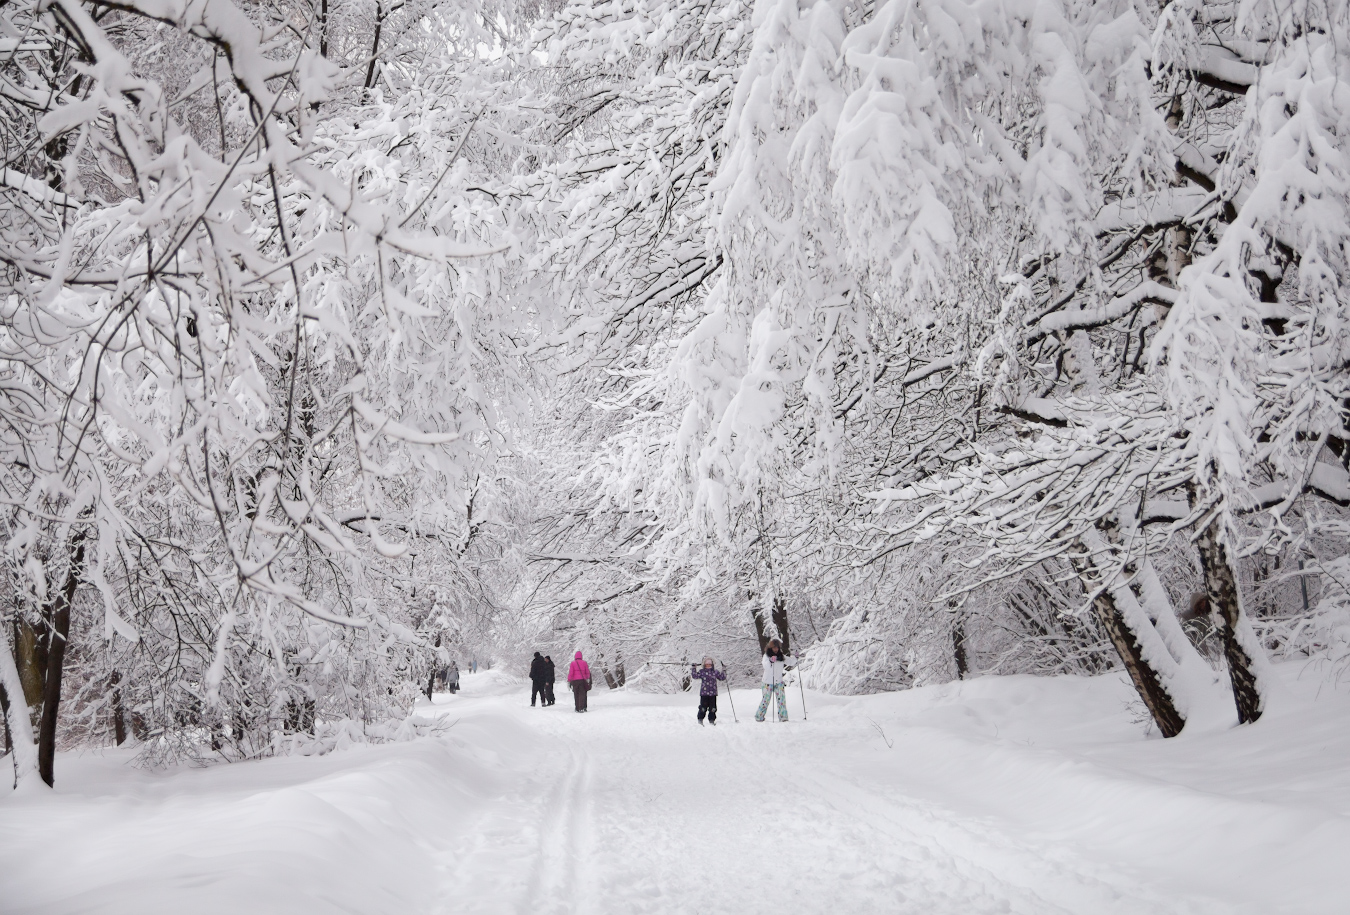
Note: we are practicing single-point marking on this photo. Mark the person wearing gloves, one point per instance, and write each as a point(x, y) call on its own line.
point(707, 692)
point(775, 664)
point(579, 679)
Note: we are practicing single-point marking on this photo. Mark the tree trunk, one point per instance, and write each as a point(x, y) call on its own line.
point(1145, 678)
point(435, 666)
point(17, 720)
point(4, 714)
point(761, 630)
point(959, 648)
point(30, 656)
point(118, 716)
point(323, 30)
point(780, 621)
point(1225, 605)
point(380, 13)
point(59, 618)
point(1129, 646)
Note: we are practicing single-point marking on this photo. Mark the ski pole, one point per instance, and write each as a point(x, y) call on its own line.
point(803, 689)
point(776, 712)
point(729, 699)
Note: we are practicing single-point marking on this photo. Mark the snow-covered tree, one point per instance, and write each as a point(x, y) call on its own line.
point(258, 365)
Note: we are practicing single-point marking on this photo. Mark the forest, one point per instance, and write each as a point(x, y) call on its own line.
point(341, 340)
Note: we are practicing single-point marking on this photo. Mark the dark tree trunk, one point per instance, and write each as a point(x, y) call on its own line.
point(435, 662)
point(619, 676)
point(59, 618)
point(380, 13)
point(118, 716)
point(780, 621)
point(761, 629)
point(1146, 681)
point(959, 648)
point(30, 656)
point(1225, 605)
point(323, 30)
point(4, 713)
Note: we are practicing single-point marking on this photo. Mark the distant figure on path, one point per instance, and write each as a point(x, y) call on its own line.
point(452, 677)
point(537, 679)
point(549, 673)
point(775, 663)
point(707, 691)
point(579, 679)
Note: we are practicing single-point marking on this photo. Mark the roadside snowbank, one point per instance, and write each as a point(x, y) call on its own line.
point(359, 830)
point(1258, 816)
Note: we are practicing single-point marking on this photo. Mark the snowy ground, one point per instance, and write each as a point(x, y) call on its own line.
point(997, 795)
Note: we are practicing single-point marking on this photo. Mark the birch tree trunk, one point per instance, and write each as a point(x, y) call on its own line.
point(1146, 680)
point(1225, 605)
point(1125, 631)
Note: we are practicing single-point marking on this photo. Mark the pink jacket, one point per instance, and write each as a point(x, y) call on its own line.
point(578, 670)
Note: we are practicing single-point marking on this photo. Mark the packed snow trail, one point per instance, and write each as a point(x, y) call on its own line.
point(999, 795)
point(634, 808)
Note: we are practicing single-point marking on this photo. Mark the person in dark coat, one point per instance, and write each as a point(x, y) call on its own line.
point(707, 692)
point(537, 678)
point(549, 673)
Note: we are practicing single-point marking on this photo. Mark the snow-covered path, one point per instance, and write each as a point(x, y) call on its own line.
point(1002, 795)
point(633, 808)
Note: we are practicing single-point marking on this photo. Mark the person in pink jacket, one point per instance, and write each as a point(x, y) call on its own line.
point(579, 679)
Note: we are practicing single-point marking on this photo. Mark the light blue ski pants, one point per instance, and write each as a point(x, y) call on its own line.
point(775, 689)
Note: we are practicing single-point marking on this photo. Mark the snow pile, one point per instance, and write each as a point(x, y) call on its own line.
point(356, 831)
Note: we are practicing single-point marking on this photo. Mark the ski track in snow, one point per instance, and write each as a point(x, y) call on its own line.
point(633, 808)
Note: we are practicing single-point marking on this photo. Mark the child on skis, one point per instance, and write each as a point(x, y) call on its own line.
point(707, 692)
point(776, 663)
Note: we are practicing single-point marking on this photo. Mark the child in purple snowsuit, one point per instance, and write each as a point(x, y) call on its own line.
point(707, 692)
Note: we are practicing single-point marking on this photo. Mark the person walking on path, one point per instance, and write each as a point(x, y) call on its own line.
point(579, 679)
point(537, 678)
point(707, 692)
point(775, 664)
point(549, 673)
point(452, 677)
